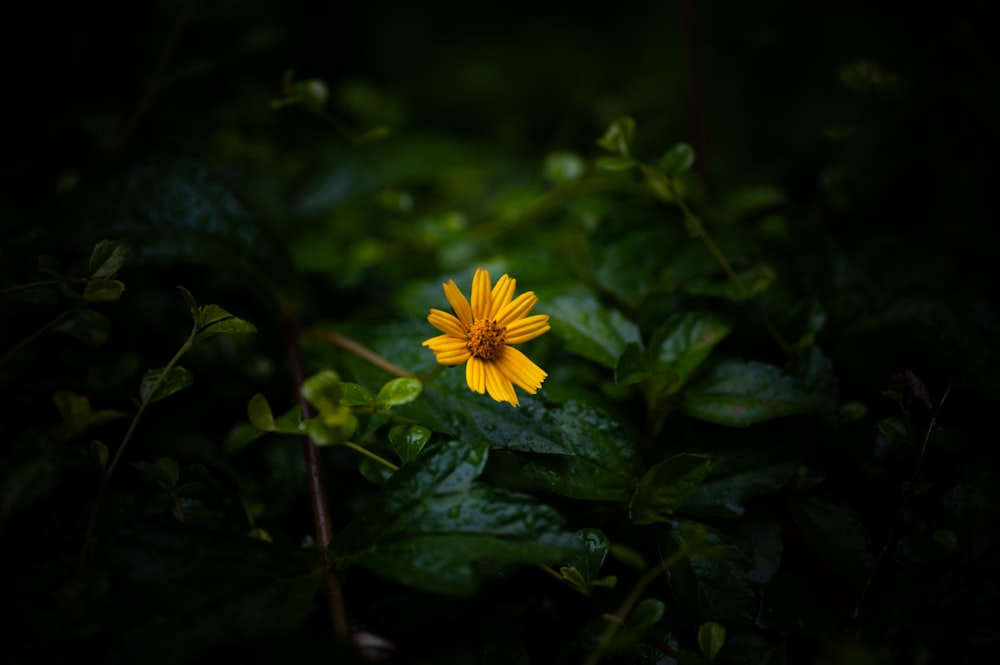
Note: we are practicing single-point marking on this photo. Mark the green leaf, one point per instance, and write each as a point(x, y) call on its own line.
point(433, 522)
point(676, 350)
point(599, 462)
point(99, 453)
point(647, 613)
point(86, 325)
point(665, 486)
point(408, 441)
point(164, 470)
point(590, 329)
point(176, 379)
point(614, 163)
point(737, 475)
point(711, 637)
point(259, 412)
point(678, 160)
point(103, 289)
point(739, 394)
point(588, 559)
point(618, 137)
point(323, 391)
point(209, 314)
point(836, 534)
point(107, 259)
point(563, 167)
point(191, 303)
point(708, 574)
point(399, 391)
point(756, 280)
point(356, 395)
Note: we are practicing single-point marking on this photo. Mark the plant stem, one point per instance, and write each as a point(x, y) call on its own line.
point(322, 521)
point(357, 349)
point(49, 325)
point(367, 453)
point(618, 619)
point(147, 400)
point(44, 282)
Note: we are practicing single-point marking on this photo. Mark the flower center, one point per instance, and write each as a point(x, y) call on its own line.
point(486, 339)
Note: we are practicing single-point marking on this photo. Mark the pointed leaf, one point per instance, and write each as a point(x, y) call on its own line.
point(230, 326)
point(176, 379)
point(711, 637)
point(433, 522)
point(678, 160)
point(647, 613)
point(356, 395)
point(618, 137)
point(590, 329)
point(408, 441)
point(107, 259)
point(665, 486)
point(259, 412)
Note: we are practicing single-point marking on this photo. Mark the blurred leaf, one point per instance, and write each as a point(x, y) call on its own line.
point(259, 412)
point(647, 613)
point(86, 325)
point(836, 534)
point(665, 486)
point(739, 394)
point(49, 265)
point(563, 167)
point(164, 470)
point(708, 574)
point(614, 163)
point(192, 305)
point(618, 137)
point(591, 330)
point(103, 289)
point(176, 379)
point(107, 259)
point(433, 522)
point(408, 441)
point(323, 390)
point(399, 391)
point(711, 637)
point(99, 453)
point(678, 160)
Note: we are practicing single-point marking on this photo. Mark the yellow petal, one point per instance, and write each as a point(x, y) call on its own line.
point(445, 343)
point(527, 329)
point(519, 369)
point(503, 291)
point(458, 302)
point(475, 375)
point(498, 385)
point(516, 309)
point(452, 358)
point(481, 294)
point(446, 323)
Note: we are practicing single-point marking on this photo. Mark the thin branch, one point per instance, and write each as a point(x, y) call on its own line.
point(322, 520)
point(46, 327)
point(907, 496)
point(618, 619)
point(357, 349)
point(370, 455)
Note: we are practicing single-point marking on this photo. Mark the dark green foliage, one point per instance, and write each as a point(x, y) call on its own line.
point(763, 236)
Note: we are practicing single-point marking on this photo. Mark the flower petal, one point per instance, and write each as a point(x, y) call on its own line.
point(499, 385)
point(503, 291)
point(458, 302)
point(520, 370)
point(446, 323)
point(475, 374)
point(516, 309)
point(528, 328)
point(481, 294)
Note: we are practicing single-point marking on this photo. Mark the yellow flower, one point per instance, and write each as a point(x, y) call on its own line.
point(482, 335)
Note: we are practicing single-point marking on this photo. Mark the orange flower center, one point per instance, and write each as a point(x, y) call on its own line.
point(486, 339)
